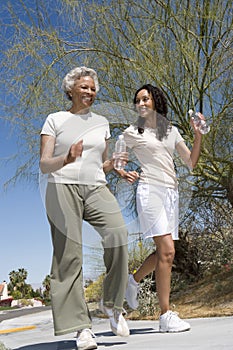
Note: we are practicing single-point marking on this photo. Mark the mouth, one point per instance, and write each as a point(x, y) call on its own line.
point(87, 99)
point(143, 110)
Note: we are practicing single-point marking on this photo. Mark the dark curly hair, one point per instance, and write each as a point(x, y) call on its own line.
point(160, 106)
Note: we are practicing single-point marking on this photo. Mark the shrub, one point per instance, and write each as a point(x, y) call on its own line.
point(93, 292)
point(16, 294)
point(148, 301)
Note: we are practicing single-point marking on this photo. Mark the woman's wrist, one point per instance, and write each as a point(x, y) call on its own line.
point(108, 165)
point(65, 162)
point(197, 136)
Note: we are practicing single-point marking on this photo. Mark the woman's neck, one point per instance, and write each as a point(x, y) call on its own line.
point(150, 121)
point(78, 110)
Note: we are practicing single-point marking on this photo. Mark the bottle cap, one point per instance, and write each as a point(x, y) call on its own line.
point(121, 137)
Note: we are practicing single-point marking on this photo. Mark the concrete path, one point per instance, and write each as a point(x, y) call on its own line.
point(35, 332)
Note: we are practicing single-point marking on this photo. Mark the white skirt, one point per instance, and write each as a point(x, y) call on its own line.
point(158, 210)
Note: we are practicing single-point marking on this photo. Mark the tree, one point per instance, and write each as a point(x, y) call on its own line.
point(46, 285)
point(185, 48)
point(18, 285)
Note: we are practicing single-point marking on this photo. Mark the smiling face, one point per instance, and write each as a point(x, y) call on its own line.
point(83, 93)
point(144, 103)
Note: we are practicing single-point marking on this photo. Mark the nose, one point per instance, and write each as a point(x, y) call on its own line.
point(141, 103)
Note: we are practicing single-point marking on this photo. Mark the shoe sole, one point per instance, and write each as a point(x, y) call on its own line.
point(174, 331)
point(90, 347)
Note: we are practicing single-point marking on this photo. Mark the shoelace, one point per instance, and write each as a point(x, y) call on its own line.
point(174, 314)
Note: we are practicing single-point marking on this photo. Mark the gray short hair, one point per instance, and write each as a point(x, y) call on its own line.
point(77, 73)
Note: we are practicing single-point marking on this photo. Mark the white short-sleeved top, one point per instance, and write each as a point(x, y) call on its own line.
point(156, 157)
point(69, 128)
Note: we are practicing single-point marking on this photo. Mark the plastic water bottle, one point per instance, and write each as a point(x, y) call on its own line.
point(120, 147)
point(200, 123)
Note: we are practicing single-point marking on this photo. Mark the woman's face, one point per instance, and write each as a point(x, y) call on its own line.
point(144, 103)
point(83, 92)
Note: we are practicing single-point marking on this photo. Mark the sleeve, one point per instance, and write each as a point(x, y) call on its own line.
point(107, 133)
point(128, 137)
point(49, 127)
point(178, 138)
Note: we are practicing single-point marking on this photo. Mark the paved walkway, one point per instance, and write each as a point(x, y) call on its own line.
point(35, 332)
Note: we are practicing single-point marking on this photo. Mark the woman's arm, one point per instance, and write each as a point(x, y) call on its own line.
point(48, 163)
point(191, 157)
point(107, 163)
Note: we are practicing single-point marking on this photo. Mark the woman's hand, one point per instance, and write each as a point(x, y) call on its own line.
point(124, 156)
point(129, 176)
point(194, 126)
point(75, 151)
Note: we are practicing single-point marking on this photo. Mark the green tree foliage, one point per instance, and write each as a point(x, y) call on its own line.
point(18, 286)
point(47, 286)
point(185, 48)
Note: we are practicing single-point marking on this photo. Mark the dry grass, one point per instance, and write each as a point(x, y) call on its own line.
point(210, 297)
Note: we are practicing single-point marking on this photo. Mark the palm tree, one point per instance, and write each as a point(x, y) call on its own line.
point(17, 281)
point(46, 285)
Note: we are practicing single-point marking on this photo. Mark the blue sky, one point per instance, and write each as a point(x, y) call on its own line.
point(25, 240)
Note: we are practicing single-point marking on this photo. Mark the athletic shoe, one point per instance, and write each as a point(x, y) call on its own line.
point(117, 322)
point(85, 340)
point(131, 294)
point(170, 322)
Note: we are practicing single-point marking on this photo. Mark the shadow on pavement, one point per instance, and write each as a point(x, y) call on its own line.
point(132, 331)
point(142, 331)
point(61, 345)
point(71, 344)
point(66, 345)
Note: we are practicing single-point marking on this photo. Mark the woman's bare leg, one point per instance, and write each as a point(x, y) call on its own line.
point(147, 267)
point(161, 262)
point(165, 252)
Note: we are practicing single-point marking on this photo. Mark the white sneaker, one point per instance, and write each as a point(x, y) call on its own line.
point(131, 294)
point(117, 322)
point(170, 322)
point(85, 340)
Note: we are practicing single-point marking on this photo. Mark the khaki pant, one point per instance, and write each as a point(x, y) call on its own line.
point(67, 206)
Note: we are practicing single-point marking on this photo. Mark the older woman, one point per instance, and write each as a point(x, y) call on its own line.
point(74, 154)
